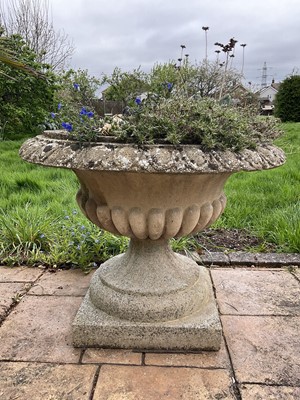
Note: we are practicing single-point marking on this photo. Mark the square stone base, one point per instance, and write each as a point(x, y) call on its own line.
point(94, 328)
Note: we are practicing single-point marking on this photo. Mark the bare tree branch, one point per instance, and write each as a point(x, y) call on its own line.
point(31, 20)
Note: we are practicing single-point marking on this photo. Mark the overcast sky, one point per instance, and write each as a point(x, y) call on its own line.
point(132, 33)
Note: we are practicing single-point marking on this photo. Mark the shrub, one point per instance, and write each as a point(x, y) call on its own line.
point(287, 103)
point(24, 98)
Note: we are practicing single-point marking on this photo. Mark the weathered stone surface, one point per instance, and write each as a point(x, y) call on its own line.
point(62, 283)
point(278, 259)
point(93, 327)
point(211, 258)
point(9, 292)
point(259, 392)
point(151, 206)
point(243, 258)
point(111, 356)
point(264, 349)
point(148, 298)
point(256, 292)
point(47, 150)
point(296, 273)
point(263, 259)
point(150, 283)
point(205, 359)
point(152, 383)
point(45, 381)
point(19, 274)
point(39, 329)
point(139, 304)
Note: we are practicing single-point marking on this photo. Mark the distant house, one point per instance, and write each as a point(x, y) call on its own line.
point(266, 97)
point(238, 95)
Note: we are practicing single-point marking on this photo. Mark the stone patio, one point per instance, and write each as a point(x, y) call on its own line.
point(259, 358)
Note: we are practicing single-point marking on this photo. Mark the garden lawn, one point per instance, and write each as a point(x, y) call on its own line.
point(267, 203)
point(40, 222)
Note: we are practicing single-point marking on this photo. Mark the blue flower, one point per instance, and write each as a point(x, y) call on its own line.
point(53, 115)
point(138, 101)
point(76, 86)
point(67, 126)
point(59, 106)
point(169, 86)
point(90, 114)
point(83, 111)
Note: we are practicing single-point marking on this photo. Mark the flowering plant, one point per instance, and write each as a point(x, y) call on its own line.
point(177, 106)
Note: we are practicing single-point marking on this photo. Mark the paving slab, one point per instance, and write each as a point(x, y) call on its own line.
point(211, 258)
point(256, 292)
point(9, 293)
point(152, 383)
point(62, 283)
point(264, 349)
point(20, 274)
point(243, 258)
point(45, 381)
point(279, 259)
point(205, 359)
point(263, 259)
point(111, 356)
point(296, 272)
point(259, 392)
point(39, 329)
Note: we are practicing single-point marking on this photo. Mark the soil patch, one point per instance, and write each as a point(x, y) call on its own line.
point(232, 240)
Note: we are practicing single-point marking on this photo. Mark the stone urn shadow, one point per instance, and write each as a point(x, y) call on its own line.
point(148, 297)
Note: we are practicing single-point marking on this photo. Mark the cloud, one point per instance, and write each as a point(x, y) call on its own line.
point(139, 32)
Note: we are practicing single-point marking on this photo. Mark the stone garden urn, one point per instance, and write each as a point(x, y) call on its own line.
point(149, 297)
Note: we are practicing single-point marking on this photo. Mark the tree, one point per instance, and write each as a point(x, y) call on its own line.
point(201, 80)
point(8, 57)
point(287, 101)
point(125, 86)
point(24, 99)
point(31, 20)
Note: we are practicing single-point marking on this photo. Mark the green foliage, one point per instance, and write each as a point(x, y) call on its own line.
point(287, 102)
point(79, 243)
point(178, 105)
point(125, 86)
point(267, 202)
point(73, 104)
point(185, 120)
point(33, 235)
point(202, 80)
point(24, 97)
point(26, 234)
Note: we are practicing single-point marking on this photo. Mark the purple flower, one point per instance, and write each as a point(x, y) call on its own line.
point(83, 111)
point(138, 101)
point(59, 106)
point(76, 86)
point(53, 115)
point(169, 86)
point(90, 114)
point(67, 126)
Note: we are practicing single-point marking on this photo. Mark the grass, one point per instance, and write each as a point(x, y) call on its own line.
point(267, 203)
point(39, 222)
